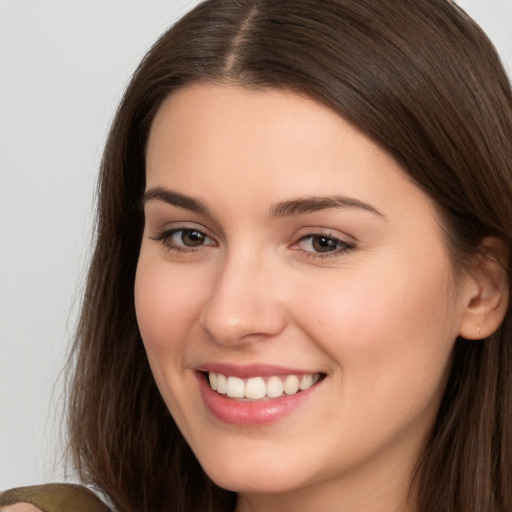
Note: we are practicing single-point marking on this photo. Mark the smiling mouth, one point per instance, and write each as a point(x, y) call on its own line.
point(261, 388)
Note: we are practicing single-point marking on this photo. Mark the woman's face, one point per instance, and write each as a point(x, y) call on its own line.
point(283, 249)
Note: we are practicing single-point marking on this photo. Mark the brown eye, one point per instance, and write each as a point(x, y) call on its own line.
point(324, 243)
point(318, 244)
point(184, 239)
point(191, 237)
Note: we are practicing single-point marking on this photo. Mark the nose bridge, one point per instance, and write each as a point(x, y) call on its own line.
point(243, 303)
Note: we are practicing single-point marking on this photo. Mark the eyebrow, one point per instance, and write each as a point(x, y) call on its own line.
point(292, 208)
point(306, 205)
point(175, 199)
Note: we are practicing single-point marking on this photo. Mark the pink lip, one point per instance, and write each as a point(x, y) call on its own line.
point(248, 413)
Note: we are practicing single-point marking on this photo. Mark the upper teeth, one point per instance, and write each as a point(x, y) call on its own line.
point(257, 387)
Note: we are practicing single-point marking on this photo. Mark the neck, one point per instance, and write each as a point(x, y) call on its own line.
point(303, 500)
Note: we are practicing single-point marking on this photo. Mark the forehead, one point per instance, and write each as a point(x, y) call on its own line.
point(208, 139)
point(208, 112)
point(208, 118)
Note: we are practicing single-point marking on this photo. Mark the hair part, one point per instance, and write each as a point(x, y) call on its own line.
point(418, 77)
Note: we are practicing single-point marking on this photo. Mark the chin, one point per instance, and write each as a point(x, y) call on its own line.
point(254, 482)
point(248, 476)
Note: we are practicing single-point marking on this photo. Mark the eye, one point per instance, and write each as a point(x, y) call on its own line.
point(184, 239)
point(189, 238)
point(322, 245)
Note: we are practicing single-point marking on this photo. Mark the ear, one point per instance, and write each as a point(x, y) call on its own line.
point(486, 291)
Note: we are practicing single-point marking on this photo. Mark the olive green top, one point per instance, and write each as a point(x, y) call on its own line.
point(55, 498)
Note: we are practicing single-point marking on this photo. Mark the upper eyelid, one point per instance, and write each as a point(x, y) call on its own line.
point(342, 236)
point(300, 210)
point(326, 235)
point(171, 231)
point(161, 219)
point(331, 237)
point(186, 228)
point(162, 227)
point(300, 234)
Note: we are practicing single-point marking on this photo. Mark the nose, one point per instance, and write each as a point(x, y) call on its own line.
point(245, 302)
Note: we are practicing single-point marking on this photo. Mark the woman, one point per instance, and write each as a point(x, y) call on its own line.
point(302, 255)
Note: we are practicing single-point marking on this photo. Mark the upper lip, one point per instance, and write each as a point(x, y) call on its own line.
point(247, 371)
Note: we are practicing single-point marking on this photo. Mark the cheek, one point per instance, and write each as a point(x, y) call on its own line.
point(390, 339)
point(163, 305)
point(384, 323)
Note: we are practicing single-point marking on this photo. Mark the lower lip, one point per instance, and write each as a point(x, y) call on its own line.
point(248, 413)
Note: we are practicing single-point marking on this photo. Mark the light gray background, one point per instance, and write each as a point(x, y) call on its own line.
point(63, 67)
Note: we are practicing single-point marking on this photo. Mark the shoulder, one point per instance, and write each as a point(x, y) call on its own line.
point(54, 498)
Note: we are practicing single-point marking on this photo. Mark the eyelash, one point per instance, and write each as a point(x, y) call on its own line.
point(165, 238)
point(342, 246)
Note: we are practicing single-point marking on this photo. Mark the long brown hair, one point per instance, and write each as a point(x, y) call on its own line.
point(422, 80)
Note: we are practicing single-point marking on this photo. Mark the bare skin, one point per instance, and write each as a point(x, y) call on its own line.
point(20, 507)
point(242, 263)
